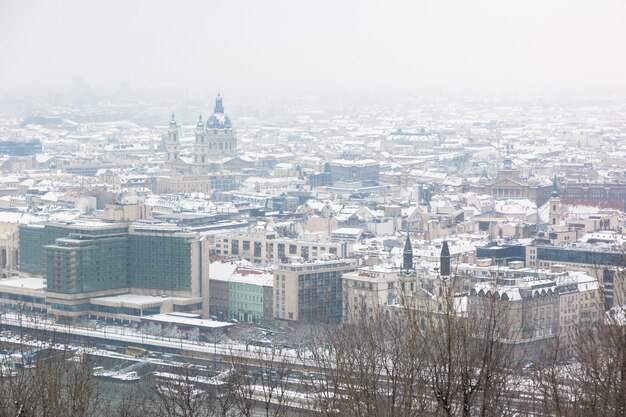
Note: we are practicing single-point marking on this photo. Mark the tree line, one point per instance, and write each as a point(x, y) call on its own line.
point(396, 363)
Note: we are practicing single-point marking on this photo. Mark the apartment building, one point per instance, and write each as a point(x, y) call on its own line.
point(267, 247)
point(310, 292)
point(367, 291)
point(538, 307)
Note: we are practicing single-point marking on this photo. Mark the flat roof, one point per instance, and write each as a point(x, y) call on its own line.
point(187, 321)
point(131, 299)
point(30, 283)
point(347, 231)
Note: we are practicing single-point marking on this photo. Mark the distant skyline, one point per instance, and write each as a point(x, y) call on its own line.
point(421, 47)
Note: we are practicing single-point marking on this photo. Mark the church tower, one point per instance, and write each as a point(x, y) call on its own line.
point(200, 147)
point(444, 260)
point(407, 257)
point(407, 277)
point(555, 205)
point(172, 144)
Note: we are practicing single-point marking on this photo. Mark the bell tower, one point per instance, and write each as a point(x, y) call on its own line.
point(407, 257)
point(172, 143)
point(555, 205)
point(444, 260)
point(200, 146)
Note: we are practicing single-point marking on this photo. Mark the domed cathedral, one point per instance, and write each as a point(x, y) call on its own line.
point(215, 140)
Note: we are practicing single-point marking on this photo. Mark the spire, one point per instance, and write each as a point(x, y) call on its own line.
point(219, 107)
point(407, 261)
point(200, 123)
point(173, 121)
point(483, 176)
point(444, 260)
point(555, 188)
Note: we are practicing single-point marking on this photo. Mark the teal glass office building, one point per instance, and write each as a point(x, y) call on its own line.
point(86, 258)
point(159, 260)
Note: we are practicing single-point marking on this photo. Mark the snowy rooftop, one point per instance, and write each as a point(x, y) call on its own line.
point(28, 283)
point(222, 271)
point(130, 299)
point(16, 217)
point(253, 277)
point(186, 321)
point(352, 231)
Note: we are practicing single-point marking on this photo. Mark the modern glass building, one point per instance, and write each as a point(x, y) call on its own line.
point(35, 237)
point(87, 263)
point(502, 255)
point(159, 259)
point(84, 261)
point(580, 256)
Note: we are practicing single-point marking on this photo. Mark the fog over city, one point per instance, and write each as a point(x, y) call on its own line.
point(312, 208)
point(447, 46)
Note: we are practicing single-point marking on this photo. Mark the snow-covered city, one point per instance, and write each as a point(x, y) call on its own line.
point(330, 209)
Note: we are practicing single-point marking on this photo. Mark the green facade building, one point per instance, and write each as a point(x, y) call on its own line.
point(86, 260)
point(245, 301)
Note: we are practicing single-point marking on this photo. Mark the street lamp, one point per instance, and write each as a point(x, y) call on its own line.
point(214, 353)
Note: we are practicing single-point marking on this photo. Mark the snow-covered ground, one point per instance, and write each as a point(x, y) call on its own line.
point(137, 336)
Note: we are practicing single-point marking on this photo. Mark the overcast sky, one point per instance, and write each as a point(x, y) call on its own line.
point(465, 45)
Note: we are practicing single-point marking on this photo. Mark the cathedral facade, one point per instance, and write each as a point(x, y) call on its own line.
point(214, 141)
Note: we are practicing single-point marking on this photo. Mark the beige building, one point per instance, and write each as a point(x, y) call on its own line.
point(267, 247)
point(539, 307)
point(186, 184)
point(182, 184)
point(9, 246)
point(534, 306)
point(127, 212)
point(367, 291)
point(509, 184)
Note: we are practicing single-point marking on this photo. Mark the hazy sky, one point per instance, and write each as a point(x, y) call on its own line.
point(559, 45)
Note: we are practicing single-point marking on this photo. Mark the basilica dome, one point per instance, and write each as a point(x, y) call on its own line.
point(218, 119)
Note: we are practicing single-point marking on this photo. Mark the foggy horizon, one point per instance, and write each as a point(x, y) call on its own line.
point(447, 47)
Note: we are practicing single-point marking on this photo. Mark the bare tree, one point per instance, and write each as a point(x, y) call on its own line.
point(470, 365)
point(370, 367)
point(262, 380)
point(55, 386)
point(438, 359)
point(246, 333)
point(180, 396)
point(593, 380)
point(134, 403)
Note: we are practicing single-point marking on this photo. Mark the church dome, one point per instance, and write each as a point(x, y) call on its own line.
point(218, 119)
